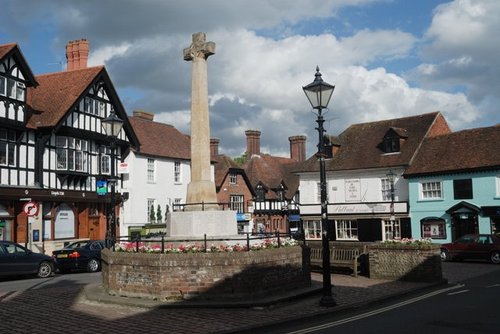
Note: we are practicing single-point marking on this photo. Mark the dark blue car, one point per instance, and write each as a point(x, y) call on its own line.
point(17, 260)
point(81, 255)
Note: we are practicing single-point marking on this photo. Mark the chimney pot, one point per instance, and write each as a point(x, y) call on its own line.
point(83, 53)
point(69, 56)
point(297, 148)
point(77, 54)
point(214, 146)
point(253, 142)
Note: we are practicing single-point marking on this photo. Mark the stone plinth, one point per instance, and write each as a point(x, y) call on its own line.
point(189, 224)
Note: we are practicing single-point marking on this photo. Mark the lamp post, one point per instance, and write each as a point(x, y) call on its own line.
point(391, 176)
point(112, 126)
point(319, 93)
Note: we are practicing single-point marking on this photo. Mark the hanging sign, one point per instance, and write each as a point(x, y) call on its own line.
point(101, 187)
point(30, 209)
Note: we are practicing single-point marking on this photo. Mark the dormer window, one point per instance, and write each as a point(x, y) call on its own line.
point(391, 143)
point(332, 145)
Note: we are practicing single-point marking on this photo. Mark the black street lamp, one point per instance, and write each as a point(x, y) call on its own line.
point(319, 93)
point(112, 126)
point(391, 177)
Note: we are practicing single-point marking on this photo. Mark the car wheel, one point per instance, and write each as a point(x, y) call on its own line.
point(495, 257)
point(93, 265)
point(45, 270)
point(445, 256)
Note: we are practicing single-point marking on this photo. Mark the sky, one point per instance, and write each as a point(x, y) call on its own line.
point(386, 58)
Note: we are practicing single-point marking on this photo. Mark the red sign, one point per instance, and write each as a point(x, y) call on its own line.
point(30, 209)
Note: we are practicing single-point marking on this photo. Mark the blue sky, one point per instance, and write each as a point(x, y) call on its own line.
point(387, 58)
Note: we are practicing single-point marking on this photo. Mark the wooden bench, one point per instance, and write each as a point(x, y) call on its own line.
point(339, 257)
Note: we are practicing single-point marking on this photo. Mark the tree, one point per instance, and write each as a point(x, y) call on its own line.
point(159, 217)
point(152, 214)
point(241, 159)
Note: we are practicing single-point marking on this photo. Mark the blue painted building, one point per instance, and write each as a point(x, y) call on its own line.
point(454, 185)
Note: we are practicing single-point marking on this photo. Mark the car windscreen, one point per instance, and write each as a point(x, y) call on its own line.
point(78, 244)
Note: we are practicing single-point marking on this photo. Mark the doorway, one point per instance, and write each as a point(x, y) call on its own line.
point(464, 224)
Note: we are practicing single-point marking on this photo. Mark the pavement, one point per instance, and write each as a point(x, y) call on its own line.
point(86, 308)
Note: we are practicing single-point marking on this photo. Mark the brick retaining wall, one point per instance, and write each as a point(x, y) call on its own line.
point(205, 275)
point(405, 262)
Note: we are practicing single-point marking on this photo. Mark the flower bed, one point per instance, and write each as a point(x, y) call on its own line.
point(170, 248)
point(409, 242)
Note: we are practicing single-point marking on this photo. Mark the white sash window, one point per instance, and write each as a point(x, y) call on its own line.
point(7, 147)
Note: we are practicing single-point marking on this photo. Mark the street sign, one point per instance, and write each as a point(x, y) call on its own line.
point(123, 168)
point(30, 209)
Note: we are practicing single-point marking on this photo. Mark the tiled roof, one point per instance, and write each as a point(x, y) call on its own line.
point(57, 94)
point(360, 143)
point(160, 139)
point(223, 164)
point(271, 171)
point(473, 149)
point(6, 48)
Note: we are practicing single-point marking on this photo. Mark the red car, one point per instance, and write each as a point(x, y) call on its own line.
point(473, 246)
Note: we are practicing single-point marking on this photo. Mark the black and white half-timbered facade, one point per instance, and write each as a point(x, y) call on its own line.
point(54, 152)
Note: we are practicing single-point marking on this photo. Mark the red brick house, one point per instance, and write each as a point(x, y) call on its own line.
point(233, 187)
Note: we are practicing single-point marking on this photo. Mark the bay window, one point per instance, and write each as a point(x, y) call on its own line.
point(71, 154)
point(312, 229)
point(346, 229)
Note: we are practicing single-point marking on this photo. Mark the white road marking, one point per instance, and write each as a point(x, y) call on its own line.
point(374, 312)
point(458, 292)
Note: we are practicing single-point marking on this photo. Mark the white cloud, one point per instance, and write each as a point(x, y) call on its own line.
point(464, 26)
point(461, 49)
point(181, 119)
point(255, 80)
point(375, 95)
point(102, 55)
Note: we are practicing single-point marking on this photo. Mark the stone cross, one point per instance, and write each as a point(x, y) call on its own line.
point(201, 189)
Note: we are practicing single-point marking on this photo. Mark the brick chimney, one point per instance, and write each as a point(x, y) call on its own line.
point(148, 116)
point(77, 54)
point(253, 142)
point(298, 148)
point(214, 146)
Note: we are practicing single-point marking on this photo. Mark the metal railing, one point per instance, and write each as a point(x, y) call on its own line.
point(210, 205)
point(206, 242)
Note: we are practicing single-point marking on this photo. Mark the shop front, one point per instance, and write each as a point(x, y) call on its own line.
point(44, 220)
point(359, 221)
